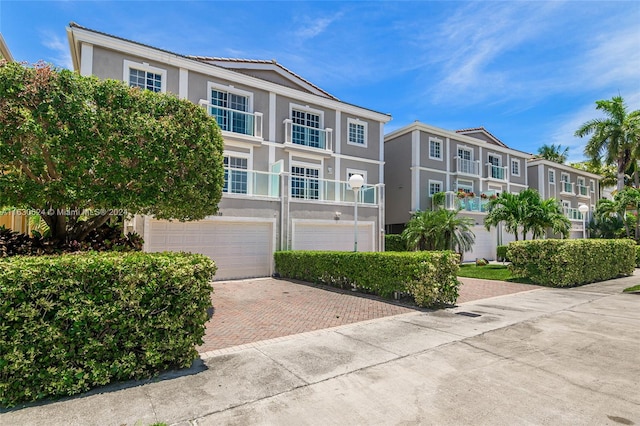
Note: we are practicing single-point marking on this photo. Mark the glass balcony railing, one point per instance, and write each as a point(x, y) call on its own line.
point(496, 172)
point(251, 183)
point(311, 137)
point(572, 213)
point(468, 167)
point(307, 188)
point(471, 204)
point(234, 121)
point(583, 190)
point(567, 187)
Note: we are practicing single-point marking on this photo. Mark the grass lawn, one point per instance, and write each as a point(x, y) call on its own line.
point(490, 272)
point(631, 289)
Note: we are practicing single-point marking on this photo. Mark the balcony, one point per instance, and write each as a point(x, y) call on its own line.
point(496, 172)
point(467, 167)
point(567, 187)
point(234, 121)
point(456, 201)
point(251, 183)
point(307, 137)
point(307, 188)
point(583, 191)
point(572, 214)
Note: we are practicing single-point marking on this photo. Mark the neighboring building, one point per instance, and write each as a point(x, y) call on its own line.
point(19, 223)
point(471, 166)
point(290, 148)
point(570, 186)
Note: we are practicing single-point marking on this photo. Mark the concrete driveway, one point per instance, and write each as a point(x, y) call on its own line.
point(548, 356)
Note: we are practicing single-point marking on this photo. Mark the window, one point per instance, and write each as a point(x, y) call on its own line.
point(515, 167)
point(552, 176)
point(357, 132)
point(495, 160)
point(306, 129)
point(566, 184)
point(592, 186)
point(351, 172)
point(465, 161)
point(305, 183)
point(435, 149)
point(465, 154)
point(495, 171)
point(144, 76)
point(228, 110)
point(465, 186)
point(434, 187)
point(235, 175)
point(582, 186)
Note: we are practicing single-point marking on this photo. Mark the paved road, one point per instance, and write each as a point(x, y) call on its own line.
point(549, 356)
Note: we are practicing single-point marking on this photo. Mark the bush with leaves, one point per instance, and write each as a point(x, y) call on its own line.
point(74, 322)
point(394, 242)
point(565, 263)
point(430, 277)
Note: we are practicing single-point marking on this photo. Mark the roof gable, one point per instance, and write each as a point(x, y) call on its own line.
point(268, 70)
point(482, 134)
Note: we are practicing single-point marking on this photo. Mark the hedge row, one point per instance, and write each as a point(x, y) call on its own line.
point(73, 322)
point(394, 242)
point(563, 263)
point(501, 253)
point(430, 277)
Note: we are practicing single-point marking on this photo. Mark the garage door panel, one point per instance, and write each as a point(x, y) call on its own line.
point(484, 246)
point(240, 249)
point(338, 237)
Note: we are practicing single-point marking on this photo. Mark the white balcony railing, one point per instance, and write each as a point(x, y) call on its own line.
point(234, 121)
point(468, 167)
point(572, 213)
point(251, 183)
point(311, 137)
point(567, 187)
point(308, 188)
point(583, 190)
point(496, 172)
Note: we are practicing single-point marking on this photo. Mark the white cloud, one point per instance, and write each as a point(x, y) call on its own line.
point(61, 56)
point(313, 27)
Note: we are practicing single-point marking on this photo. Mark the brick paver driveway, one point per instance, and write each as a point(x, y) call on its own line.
point(249, 311)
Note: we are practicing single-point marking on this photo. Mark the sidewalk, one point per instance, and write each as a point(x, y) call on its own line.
point(549, 356)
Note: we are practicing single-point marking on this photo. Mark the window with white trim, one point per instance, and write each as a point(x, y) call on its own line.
point(306, 128)
point(305, 183)
point(435, 186)
point(145, 76)
point(435, 149)
point(465, 186)
point(351, 172)
point(552, 177)
point(235, 175)
point(592, 185)
point(515, 167)
point(357, 132)
point(231, 109)
point(495, 160)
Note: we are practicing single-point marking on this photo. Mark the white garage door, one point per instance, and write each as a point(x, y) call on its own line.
point(317, 235)
point(485, 245)
point(240, 249)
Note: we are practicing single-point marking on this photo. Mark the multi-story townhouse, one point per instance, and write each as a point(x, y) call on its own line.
point(470, 165)
point(570, 186)
point(11, 220)
point(289, 150)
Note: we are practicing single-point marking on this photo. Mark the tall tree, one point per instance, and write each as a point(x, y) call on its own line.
point(77, 149)
point(507, 208)
point(553, 153)
point(607, 173)
point(615, 139)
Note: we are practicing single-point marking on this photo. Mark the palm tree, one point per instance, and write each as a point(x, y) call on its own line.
point(553, 153)
point(615, 138)
point(439, 229)
point(607, 173)
point(508, 209)
point(608, 220)
point(546, 214)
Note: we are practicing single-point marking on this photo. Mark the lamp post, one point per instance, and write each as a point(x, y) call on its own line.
point(583, 208)
point(356, 182)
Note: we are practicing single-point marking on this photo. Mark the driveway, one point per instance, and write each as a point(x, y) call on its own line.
point(255, 310)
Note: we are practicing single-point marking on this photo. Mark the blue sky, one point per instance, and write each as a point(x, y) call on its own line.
point(530, 72)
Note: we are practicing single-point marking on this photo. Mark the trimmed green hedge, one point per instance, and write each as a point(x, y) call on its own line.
point(430, 277)
point(73, 322)
point(564, 263)
point(394, 242)
point(501, 253)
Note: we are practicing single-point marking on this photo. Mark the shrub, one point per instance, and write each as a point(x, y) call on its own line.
point(74, 322)
point(430, 277)
point(638, 256)
point(501, 253)
point(394, 242)
point(563, 263)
